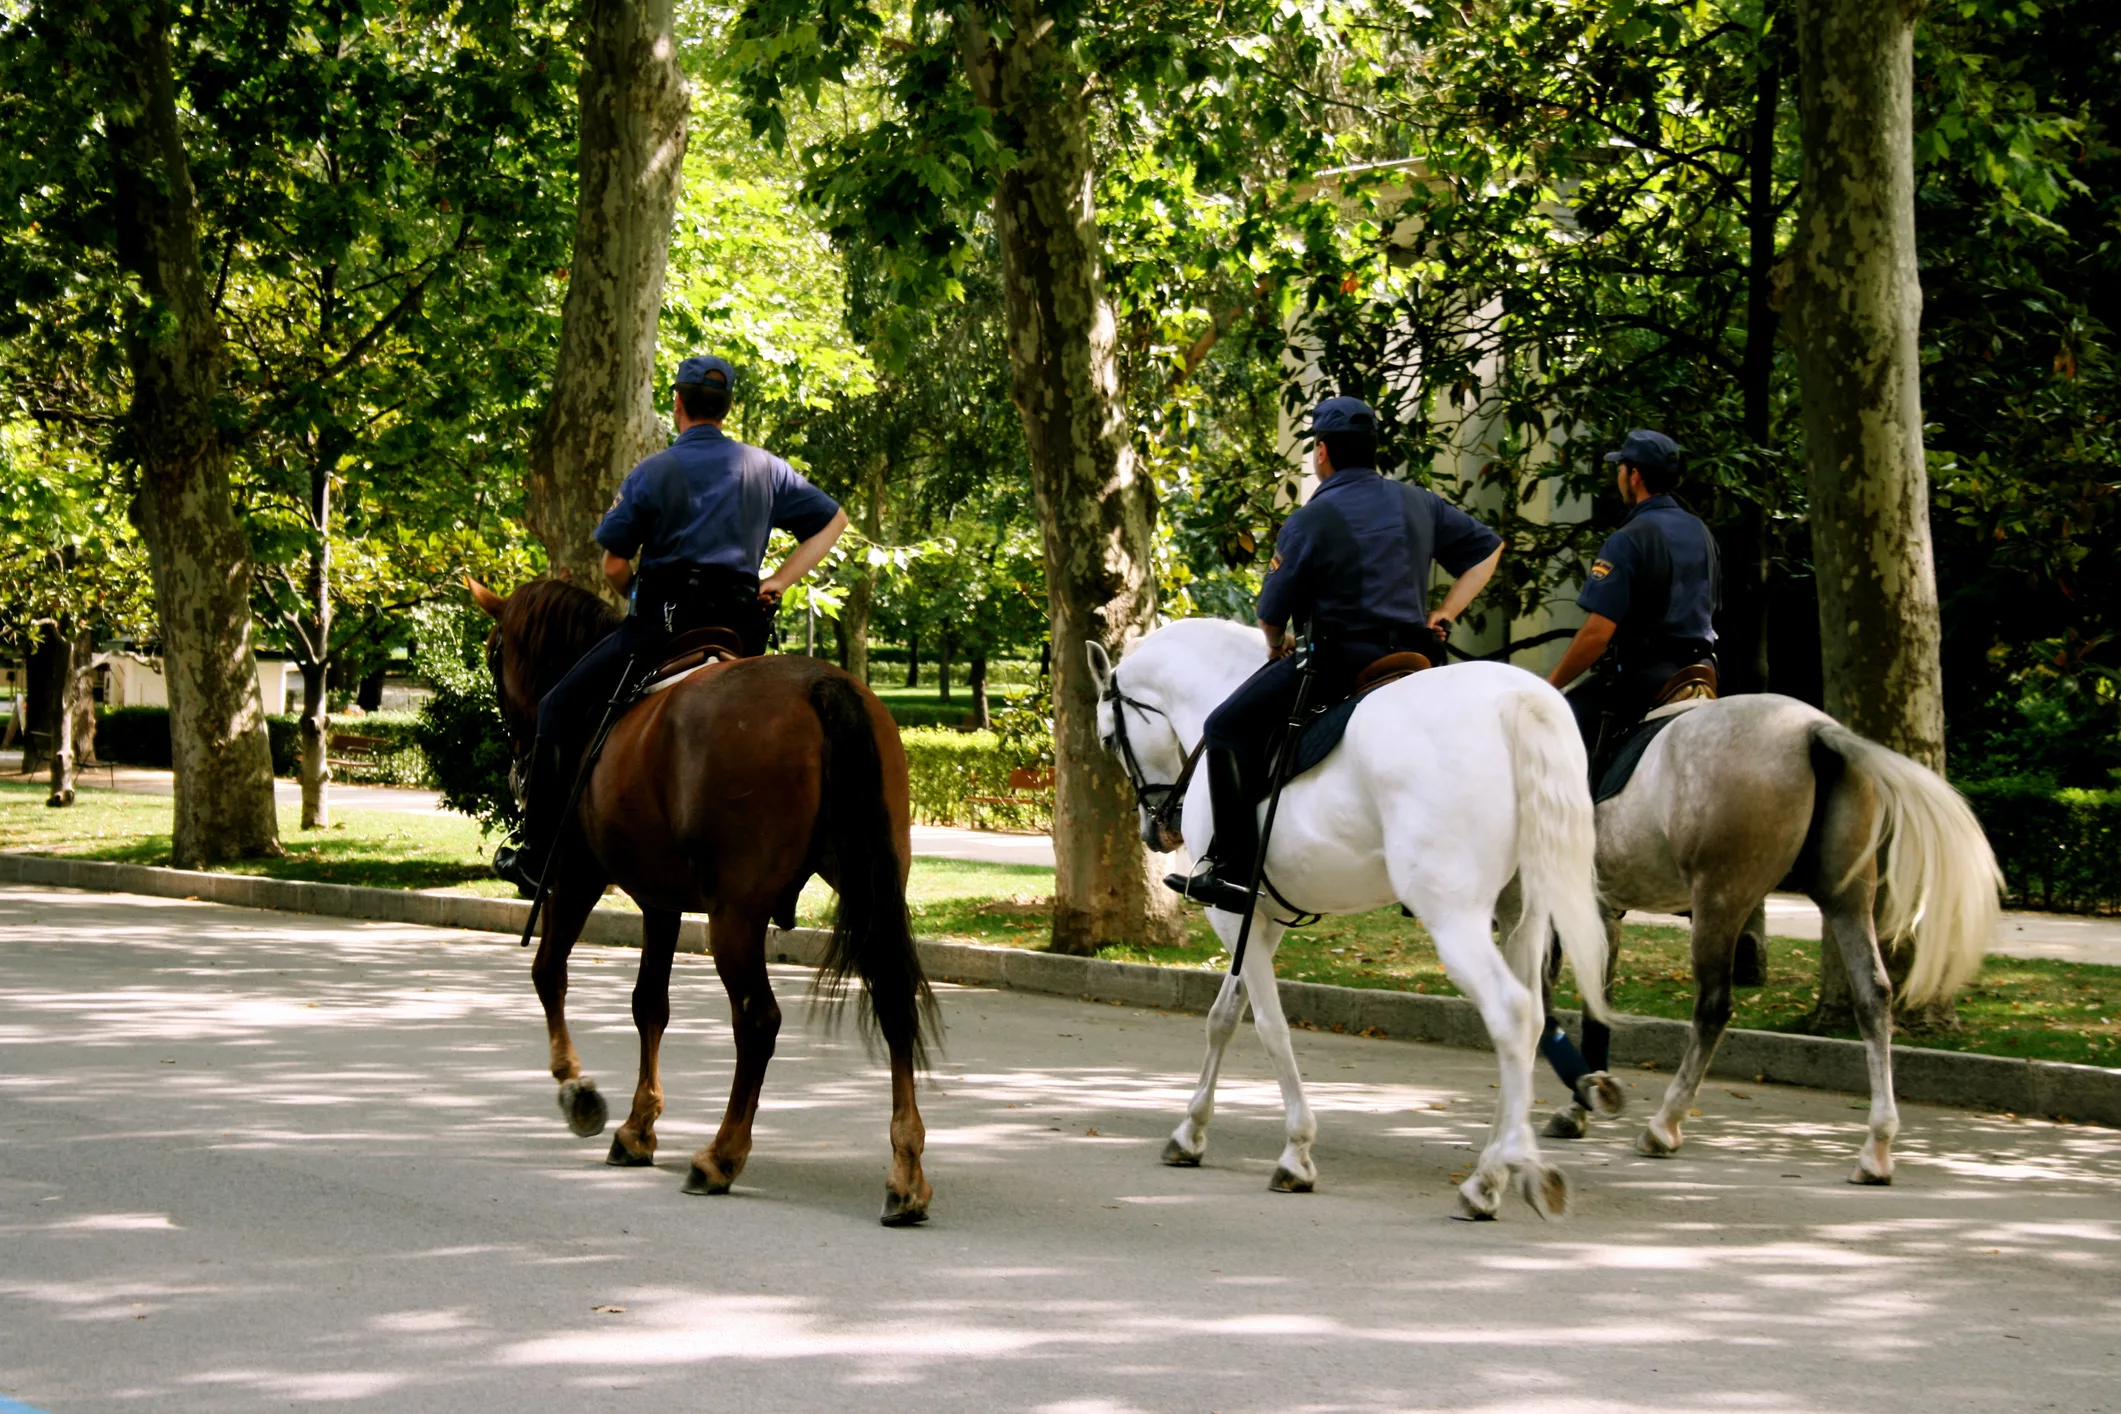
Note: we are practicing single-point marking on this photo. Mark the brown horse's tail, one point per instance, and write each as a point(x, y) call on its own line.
point(872, 936)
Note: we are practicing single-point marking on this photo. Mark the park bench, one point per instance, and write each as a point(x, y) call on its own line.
point(1028, 785)
point(353, 752)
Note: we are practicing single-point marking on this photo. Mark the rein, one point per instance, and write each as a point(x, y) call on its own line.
point(1161, 800)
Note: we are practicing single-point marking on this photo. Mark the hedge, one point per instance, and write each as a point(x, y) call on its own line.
point(962, 778)
point(139, 736)
point(2060, 849)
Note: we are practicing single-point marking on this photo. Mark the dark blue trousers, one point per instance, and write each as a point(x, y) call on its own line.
point(1248, 718)
point(568, 713)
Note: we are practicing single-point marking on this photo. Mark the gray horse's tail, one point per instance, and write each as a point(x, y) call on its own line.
point(1939, 884)
point(1557, 839)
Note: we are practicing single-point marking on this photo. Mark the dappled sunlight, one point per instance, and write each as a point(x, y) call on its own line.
point(250, 1164)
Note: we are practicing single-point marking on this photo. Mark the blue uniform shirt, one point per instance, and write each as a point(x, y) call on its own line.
point(1660, 578)
point(1355, 559)
point(711, 500)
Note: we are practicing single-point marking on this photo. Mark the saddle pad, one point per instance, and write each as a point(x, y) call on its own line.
point(1322, 735)
point(665, 684)
point(1616, 777)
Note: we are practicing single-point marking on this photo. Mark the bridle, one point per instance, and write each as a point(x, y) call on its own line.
point(1159, 800)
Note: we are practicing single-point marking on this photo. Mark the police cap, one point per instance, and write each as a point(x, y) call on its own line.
point(1654, 452)
point(706, 371)
point(1342, 415)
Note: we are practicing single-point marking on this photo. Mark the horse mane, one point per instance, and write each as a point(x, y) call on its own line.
point(547, 626)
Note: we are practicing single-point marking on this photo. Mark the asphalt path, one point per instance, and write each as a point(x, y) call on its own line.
point(258, 1161)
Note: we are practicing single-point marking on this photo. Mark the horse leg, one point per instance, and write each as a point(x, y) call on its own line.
point(634, 1145)
point(906, 1192)
point(1189, 1141)
point(1294, 1172)
point(567, 908)
point(1478, 969)
point(1718, 920)
point(738, 941)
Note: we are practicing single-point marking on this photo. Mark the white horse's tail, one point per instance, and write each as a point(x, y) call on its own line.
point(1939, 882)
point(1557, 838)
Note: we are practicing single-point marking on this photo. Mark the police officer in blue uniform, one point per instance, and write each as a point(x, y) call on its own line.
point(698, 515)
point(1651, 598)
point(1650, 605)
point(1354, 563)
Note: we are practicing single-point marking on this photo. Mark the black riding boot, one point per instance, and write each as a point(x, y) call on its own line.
point(523, 863)
point(1224, 879)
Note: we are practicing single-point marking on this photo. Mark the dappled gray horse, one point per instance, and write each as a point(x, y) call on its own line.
point(1737, 795)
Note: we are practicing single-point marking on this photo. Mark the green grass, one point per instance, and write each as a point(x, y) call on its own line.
point(2041, 1010)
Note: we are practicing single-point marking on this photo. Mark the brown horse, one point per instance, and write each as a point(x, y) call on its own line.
point(722, 795)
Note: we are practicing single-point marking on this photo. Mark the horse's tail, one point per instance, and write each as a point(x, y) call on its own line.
point(1939, 885)
point(872, 936)
point(1557, 838)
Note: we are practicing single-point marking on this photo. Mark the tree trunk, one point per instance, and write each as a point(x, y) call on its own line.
point(1096, 510)
point(315, 746)
point(57, 687)
point(861, 595)
point(197, 550)
point(942, 666)
point(1854, 310)
point(982, 718)
point(1744, 659)
point(84, 700)
point(913, 657)
point(369, 695)
point(43, 683)
point(602, 416)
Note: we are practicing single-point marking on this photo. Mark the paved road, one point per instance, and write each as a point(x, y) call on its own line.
point(254, 1161)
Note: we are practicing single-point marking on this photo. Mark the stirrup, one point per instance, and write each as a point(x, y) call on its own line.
point(1209, 888)
point(512, 863)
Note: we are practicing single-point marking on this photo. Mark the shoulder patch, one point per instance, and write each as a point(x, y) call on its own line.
point(1274, 564)
point(1601, 568)
point(616, 497)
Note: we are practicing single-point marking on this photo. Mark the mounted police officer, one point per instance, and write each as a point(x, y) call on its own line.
point(698, 515)
point(1651, 598)
point(1354, 563)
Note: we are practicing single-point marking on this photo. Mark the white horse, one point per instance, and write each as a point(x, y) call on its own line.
point(1450, 786)
point(1732, 798)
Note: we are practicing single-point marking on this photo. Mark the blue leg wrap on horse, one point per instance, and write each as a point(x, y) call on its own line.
point(1562, 1055)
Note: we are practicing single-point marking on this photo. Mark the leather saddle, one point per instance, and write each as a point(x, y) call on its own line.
point(691, 649)
point(1390, 668)
point(1697, 683)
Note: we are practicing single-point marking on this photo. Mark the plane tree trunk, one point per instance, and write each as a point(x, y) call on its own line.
point(1854, 312)
point(601, 418)
point(861, 595)
point(197, 551)
point(1096, 510)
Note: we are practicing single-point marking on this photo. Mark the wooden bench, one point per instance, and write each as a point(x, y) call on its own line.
point(357, 752)
point(1028, 785)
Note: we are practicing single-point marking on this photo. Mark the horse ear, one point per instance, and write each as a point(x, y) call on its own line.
point(1100, 663)
point(487, 599)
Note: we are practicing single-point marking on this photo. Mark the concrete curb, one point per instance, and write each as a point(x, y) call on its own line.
point(1953, 1078)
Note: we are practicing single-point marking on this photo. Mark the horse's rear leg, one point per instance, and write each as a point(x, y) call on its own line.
point(906, 1192)
point(738, 941)
point(1847, 909)
point(567, 908)
point(634, 1145)
point(1718, 920)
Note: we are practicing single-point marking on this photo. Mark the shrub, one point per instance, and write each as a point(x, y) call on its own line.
point(2059, 848)
point(958, 778)
point(460, 729)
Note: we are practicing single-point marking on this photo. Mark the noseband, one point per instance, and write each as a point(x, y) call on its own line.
point(1159, 800)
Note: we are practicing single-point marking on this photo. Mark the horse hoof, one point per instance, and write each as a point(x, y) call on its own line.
point(1652, 1145)
point(1287, 1181)
point(900, 1211)
point(1546, 1189)
point(698, 1180)
point(625, 1158)
point(1601, 1094)
point(1864, 1176)
point(1568, 1122)
point(584, 1109)
point(1178, 1157)
point(1468, 1212)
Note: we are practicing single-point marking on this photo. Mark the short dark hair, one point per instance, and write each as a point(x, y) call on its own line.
point(704, 402)
point(1351, 448)
point(1657, 481)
